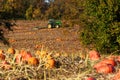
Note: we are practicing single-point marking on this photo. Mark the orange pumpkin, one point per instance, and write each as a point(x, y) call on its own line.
point(97, 65)
point(57, 55)
point(50, 63)
point(37, 52)
point(105, 69)
point(1, 51)
point(109, 61)
point(18, 58)
point(5, 65)
point(2, 56)
point(11, 50)
point(23, 56)
point(33, 61)
point(26, 56)
point(11, 40)
point(94, 55)
point(23, 53)
point(112, 57)
point(38, 46)
point(90, 78)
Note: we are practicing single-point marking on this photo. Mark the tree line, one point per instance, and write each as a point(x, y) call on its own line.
point(39, 9)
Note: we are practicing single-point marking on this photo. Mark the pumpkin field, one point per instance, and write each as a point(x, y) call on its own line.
point(52, 54)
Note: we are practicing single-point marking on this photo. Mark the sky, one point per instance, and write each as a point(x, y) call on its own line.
point(46, 1)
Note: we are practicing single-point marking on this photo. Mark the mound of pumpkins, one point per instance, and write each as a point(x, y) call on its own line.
point(105, 65)
point(25, 57)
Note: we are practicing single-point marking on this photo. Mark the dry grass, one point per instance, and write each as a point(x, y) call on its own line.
point(67, 67)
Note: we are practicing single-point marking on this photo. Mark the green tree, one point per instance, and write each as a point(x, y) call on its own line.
point(29, 12)
point(54, 10)
point(64, 9)
point(14, 8)
point(36, 9)
point(36, 13)
point(71, 9)
point(102, 24)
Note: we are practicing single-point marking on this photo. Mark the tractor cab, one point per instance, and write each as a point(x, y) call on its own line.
point(52, 23)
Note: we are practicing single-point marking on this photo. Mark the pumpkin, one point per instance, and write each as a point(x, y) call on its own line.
point(18, 58)
point(11, 40)
point(23, 56)
point(23, 53)
point(109, 61)
point(2, 56)
point(33, 61)
point(1, 51)
point(94, 55)
point(104, 62)
point(26, 56)
point(5, 65)
point(90, 78)
point(105, 68)
point(58, 39)
point(97, 65)
point(50, 63)
point(11, 50)
point(38, 46)
point(112, 57)
point(57, 55)
point(37, 52)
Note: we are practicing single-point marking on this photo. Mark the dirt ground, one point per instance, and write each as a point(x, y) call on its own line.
point(25, 35)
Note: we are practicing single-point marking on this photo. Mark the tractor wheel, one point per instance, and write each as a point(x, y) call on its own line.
point(49, 26)
point(57, 26)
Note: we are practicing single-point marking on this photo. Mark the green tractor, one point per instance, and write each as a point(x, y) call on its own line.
point(54, 23)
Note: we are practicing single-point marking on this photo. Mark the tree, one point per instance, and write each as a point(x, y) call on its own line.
point(29, 12)
point(37, 10)
point(102, 25)
point(63, 9)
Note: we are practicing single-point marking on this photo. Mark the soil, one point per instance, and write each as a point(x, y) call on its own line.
point(31, 35)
